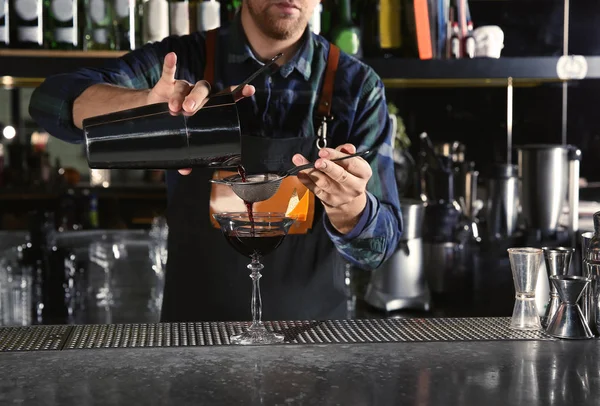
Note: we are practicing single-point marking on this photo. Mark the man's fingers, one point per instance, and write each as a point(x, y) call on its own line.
point(180, 91)
point(169, 67)
point(335, 172)
point(197, 97)
point(185, 172)
point(355, 165)
point(347, 148)
point(247, 91)
point(298, 159)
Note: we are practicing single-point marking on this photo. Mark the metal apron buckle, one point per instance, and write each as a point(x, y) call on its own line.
point(321, 141)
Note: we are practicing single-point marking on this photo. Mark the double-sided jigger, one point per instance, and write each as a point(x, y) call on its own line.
point(569, 321)
point(558, 260)
point(525, 266)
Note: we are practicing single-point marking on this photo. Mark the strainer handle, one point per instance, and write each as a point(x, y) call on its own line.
point(297, 169)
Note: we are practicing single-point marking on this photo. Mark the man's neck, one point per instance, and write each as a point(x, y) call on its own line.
point(265, 47)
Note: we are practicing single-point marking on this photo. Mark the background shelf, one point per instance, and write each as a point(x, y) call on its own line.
point(28, 68)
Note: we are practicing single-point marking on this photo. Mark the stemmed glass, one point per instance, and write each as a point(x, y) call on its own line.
point(255, 237)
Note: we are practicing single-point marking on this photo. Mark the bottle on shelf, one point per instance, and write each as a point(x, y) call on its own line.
point(228, 10)
point(126, 25)
point(179, 17)
point(455, 42)
point(209, 15)
point(315, 19)
point(345, 34)
point(156, 20)
point(4, 24)
point(99, 30)
point(26, 24)
point(62, 24)
point(327, 14)
point(470, 42)
point(382, 28)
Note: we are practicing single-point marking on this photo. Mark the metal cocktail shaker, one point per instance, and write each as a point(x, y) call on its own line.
point(549, 176)
point(502, 214)
point(591, 269)
point(152, 137)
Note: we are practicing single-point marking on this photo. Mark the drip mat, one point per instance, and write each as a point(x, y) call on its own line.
point(37, 338)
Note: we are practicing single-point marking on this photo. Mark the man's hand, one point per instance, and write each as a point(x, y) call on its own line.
point(182, 95)
point(341, 186)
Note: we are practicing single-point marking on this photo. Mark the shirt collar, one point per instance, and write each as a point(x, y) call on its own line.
point(240, 51)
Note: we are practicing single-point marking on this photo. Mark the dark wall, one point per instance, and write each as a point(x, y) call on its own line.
point(477, 116)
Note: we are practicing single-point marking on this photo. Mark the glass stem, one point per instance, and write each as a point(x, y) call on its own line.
point(255, 267)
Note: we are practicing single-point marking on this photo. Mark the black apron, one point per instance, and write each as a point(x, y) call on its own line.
point(207, 280)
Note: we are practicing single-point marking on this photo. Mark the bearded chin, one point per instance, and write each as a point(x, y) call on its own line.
point(281, 28)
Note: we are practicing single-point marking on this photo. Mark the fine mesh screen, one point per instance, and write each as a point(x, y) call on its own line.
point(296, 332)
point(33, 338)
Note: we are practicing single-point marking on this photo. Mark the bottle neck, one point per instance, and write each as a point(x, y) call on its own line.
point(345, 13)
point(597, 223)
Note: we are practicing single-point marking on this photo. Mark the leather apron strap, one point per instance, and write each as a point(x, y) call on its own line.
point(324, 108)
point(325, 100)
point(211, 46)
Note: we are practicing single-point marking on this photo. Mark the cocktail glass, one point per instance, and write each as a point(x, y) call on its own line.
point(525, 265)
point(255, 237)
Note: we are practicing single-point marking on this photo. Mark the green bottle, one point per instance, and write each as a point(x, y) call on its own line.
point(345, 33)
point(99, 28)
point(63, 25)
point(126, 25)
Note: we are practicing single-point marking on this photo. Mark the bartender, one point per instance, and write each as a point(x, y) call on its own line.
point(321, 104)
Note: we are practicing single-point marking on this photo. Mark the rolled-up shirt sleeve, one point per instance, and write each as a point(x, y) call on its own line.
point(51, 104)
point(375, 237)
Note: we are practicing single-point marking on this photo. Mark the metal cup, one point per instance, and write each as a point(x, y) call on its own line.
point(557, 260)
point(152, 137)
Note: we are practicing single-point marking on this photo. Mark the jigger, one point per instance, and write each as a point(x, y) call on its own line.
point(568, 321)
point(525, 265)
point(558, 260)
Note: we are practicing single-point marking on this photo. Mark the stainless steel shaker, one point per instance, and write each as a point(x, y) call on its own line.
point(549, 178)
point(152, 137)
point(400, 282)
point(591, 266)
point(503, 201)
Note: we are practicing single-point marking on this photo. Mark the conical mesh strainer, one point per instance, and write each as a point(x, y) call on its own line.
point(261, 187)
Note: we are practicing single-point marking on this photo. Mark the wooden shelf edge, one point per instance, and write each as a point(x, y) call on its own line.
point(9, 82)
point(45, 53)
point(399, 83)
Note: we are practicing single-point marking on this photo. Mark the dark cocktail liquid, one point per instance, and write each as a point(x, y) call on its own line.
point(255, 245)
point(242, 173)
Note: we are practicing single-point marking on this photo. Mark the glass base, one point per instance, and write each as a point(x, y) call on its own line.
point(256, 335)
point(525, 315)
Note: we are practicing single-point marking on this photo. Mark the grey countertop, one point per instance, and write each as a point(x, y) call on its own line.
point(512, 372)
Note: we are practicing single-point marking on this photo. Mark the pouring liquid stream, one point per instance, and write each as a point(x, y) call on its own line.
point(249, 205)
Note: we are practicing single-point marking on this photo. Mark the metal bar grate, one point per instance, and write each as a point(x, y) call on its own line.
point(295, 332)
point(300, 332)
point(33, 338)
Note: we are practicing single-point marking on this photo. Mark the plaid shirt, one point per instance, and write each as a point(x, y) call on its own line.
point(283, 106)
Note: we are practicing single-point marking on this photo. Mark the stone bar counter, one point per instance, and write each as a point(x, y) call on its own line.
point(435, 361)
